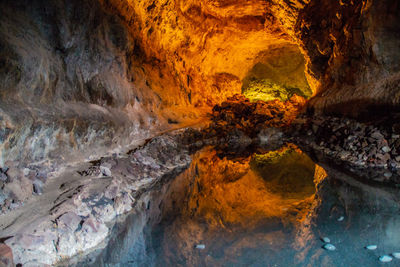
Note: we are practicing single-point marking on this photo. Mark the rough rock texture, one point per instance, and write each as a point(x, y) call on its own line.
point(80, 78)
point(205, 47)
point(238, 113)
point(77, 216)
point(66, 90)
point(353, 53)
point(371, 151)
point(210, 46)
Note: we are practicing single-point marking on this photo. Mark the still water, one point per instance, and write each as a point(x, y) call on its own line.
point(268, 208)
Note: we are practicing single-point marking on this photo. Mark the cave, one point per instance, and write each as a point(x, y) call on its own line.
point(199, 133)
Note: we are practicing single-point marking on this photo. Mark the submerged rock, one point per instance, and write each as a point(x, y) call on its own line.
point(340, 219)
point(326, 239)
point(371, 247)
point(329, 247)
point(396, 255)
point(385, 258)
point(200, 246)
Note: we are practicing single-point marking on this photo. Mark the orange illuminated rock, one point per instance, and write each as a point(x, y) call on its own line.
point(238, 112)
point(198, 52)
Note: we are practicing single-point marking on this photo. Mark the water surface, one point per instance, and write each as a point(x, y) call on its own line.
point(269, 208)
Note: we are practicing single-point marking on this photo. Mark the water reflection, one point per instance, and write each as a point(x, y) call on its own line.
point(245, 210)
point(264, 210)
point(269, 208)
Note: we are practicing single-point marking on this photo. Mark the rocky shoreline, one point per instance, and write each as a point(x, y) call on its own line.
point(366, 148)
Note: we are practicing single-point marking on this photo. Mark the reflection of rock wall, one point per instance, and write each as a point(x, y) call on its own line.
point(238, 192)
point(288, 172)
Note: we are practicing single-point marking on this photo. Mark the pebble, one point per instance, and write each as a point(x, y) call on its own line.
point(377, 135)
point(386, 149)
point(326, 239)
point(385, 258)
point(200, 246)
point(329, 247)
point(340, 219)
point(371, 247)
point(105, 170)
point(396, 255)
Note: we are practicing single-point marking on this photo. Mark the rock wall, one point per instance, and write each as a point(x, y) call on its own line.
point(68, 90)
point(353, 52)
point(210, 46)
point(206, 47)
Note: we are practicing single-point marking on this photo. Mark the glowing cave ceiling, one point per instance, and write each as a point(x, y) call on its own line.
point(208, 47)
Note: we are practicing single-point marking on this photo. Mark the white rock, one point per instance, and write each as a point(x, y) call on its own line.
point(329, 247)
point(340, 219)
point(69, 220)
point(200, 246)
point(326, 239)
point(105, 170)
point(385, 258)
point(386, 149)
point(92, 233)
point(396, 255)
point(371, 247)
point(26, 171)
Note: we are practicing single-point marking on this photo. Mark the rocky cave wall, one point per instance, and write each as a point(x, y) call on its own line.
point(86, 77)
point(70, 89)
point(207, 47)
point(353, 53)
point(81, 78)
point(350, 47)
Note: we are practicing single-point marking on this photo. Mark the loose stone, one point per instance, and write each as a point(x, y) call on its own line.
point(105, 170)
point(371, 247)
